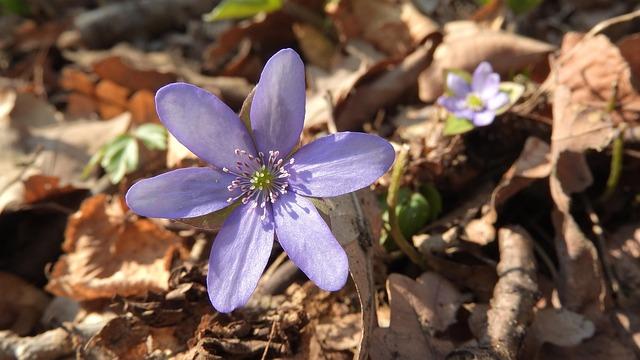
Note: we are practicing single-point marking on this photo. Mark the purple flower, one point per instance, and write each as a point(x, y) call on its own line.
point(259, 175)
point(477, 101)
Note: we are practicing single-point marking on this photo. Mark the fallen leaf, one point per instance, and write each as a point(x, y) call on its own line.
point(21, 305)
point(532, 164)
point(403, 339)
point(561, 327)
point(130, 72)
point(371, 93)
point(598, 76)
point(342, 334)
point(393, 27)
point(466, 44)
point(434, 299)
point(108, 255)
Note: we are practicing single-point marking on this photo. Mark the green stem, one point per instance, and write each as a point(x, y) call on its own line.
point(392, 202)
point(616, 167)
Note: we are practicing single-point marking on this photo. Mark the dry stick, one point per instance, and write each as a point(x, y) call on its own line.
point(514, 297)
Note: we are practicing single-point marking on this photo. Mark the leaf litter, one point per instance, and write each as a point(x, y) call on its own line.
point(533, 254)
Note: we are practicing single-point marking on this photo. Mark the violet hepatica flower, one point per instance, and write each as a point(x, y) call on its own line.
point(259, 174)
point(478, 101)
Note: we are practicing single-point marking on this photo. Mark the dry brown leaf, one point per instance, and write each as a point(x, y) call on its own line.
point(434, 299)
point(131, 74)
point(352, 220)
point(41, 187)
point(315, 46)
point(629, 46)
point(74, 79)
point(21, 305)
point(561, 327)
point(142, 106)
point(403, 339)
point(597, 75)
point(394, 28)
point(108, 255)
point(532, 164)
point(576, 129)
point(465, 45)
point(382, 85)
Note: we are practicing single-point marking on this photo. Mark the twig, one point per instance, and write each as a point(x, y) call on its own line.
point(392, 202)
point(514, 297)
point(271, 335)
point(601, 26)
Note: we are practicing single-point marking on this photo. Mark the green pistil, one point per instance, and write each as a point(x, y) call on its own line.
point(262, 178)
point(474, 102)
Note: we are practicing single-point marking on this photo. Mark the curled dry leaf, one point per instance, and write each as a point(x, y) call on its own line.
point(108, 255)
point(393, 27)
point(533, 163)
point(434, 299)
point(371, 93)
point(21, 305)
point(466, 44)
point(403, 338)
point(598, 76)
point(561, 327)
point(576, 129)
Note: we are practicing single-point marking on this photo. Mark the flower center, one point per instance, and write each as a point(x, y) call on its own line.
point(474, 102)
point(260, 179)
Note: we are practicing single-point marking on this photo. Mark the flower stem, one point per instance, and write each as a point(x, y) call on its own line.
point(392, 202)
point(616, 167)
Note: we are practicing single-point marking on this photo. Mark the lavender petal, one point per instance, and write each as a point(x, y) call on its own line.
point(277, 110)
point(238, 257)
point(499, 100)
point(180, 193)
point(456, 84)
point(340, 163)
point(308, 241)
point(203, 123)
point(485, 82)
point(483, 118)
point(452, 104)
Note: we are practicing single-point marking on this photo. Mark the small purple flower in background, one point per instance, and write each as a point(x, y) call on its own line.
point(258, 173)
point(478, 101)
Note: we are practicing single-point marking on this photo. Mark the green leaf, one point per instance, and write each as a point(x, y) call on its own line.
point(18, 7)
point(433, 198)
point(522, 6)
point(238, 9)
point(211, 221)
point(120, 157)
point(153, 136)
point(514, 91)
point(455, 125)
point(413, 214)
point(93, 162)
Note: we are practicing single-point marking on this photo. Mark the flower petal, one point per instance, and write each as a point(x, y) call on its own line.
point(452, 104)
point(459, 86)
point(203, 123)
point(277, 110)
point(483, 118)
point(340, 163)
point(180, 193)
point(238, 257)
point(496, 102)
point(308, 241)
point(485, 82)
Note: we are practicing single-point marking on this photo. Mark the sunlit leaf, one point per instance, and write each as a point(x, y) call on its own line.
point(238, 9)
point(120, 157)
point(455, 125)
point(153, 136)
point(514, 91)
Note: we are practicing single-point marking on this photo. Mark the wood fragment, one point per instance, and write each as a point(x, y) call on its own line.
point(514, 297)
